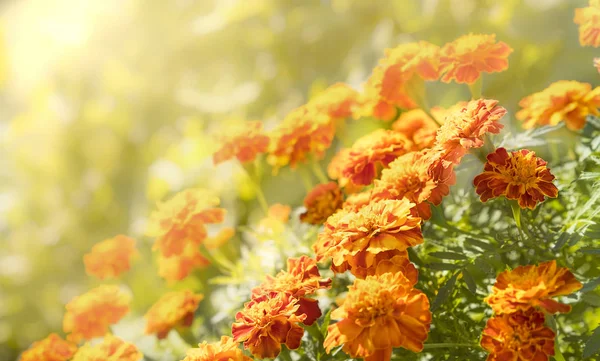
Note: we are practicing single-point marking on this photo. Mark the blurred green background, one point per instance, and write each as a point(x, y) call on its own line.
point(108, 106)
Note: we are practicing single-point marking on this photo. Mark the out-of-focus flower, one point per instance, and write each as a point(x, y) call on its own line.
point(268, 321)
point(302, 278)
point(90, 314)
point(356, 201)
point(277, 217)
point(110, 349)
point(225, 350)
point(174, 309)
point(111, 257)
point(370, 153)
point(335, 171)
point(597, 64)
point(321, 202)
point(354, 238)
point(465, 129)
point(566, 100)
point(372, 104)
point(52, 348)
point(178, 267)
point(519, 336)
point(337, 101)
point(380, 312)
point(244, 143)
point(588, 19)
point(181, 220)
point(220, 238)
point(532, 286)
point(418, 127)
point(516, 175)
point(464, 59)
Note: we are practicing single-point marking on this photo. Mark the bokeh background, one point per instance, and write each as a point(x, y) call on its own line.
point(109, 106)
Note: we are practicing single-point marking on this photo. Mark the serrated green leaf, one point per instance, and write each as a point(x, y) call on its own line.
point(444, 292)
point(449, 255)
point(469, 281)
point(592, 345)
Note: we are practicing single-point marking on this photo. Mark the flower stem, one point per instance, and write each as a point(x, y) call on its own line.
point(186, 335)
point(475, 89)
point(316, 168)
point(558, 356)
point(306, 179)
point(431, 346)
point(254, 176)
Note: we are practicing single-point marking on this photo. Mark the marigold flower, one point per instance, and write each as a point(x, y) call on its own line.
point(277, 217)
point(321, 202)
point(178, 267)
point(356, 201)
point(516, 175)
point(566, 100)
point(90, 314)
point(354, 238)
point(220, 238)
point(181, 220)
point(519, 336)
point(373, 104)
point(465, 129)
point(337, 101)
point(302, 278)
point(464, 59)
point(532, 286)
point(388, 261)
point(110, 349)
point(588, 19)
point(225, 350)
point(52, 348)
point(111, 257)
point(244, 143)
point(268, 321)
point(418, 127)
point(174, 309)
point(380, 312)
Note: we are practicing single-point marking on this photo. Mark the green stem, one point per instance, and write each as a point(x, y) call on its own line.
point(431, 346)
point(254, 177)
point(306, 179)
point(475, 88)
point(285, 355)
point(316, 168)
point(516, 211)
point(186, 335)
point(558, 356)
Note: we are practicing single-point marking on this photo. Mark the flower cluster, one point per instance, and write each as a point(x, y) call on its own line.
point(110, 349)
point(52, 348)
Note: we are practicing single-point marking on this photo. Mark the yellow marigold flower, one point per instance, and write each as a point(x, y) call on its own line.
point(418, 127)
point(174, 309)
point(89, 315)
point(519, 336)
point(220, 238)
point(178, 267)
point(52, 348)
point(321, 202)
point(588, 20)
point(464, 59)
point(465, 128)
point(354, 238)
point(532, 286)
point(380, 312)
point(268, 321)
point(516, 175)
point(181, 220)
point(566, 100)
point(337, 101)
point(110, 349)
point(356, 201)
point(302, 278)
point(111, 257)
point(224, 350)
point(243, 143)
point(418, 58)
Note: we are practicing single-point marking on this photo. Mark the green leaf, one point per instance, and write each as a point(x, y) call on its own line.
point(590, 250)
point(449, 255)
point(592, 345)
point(443, 266)
point(591, 285)
point(480, 244)
point(469, 281)
point(326, 322)
point(444, 292)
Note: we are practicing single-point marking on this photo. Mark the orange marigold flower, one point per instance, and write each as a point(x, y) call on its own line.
point(373, 104)
point(244, 143)
point(268, 321)
point(302, 278)
point(465, 128)
point(354, 238)
point(516, 175)
point(337, 101)
point(464, 59)
point(335, 171)
point(111, 257)
point(181, 220)
point(178, 267)
point(220, 238)
point(174, 309)
point(588, 19)
point(225, 350)
point(277, 217)
point(321, 202)
point(519, 336)
point(418, 127)
point(388, 261)
point(533, 286)
point(380, 312)
point(356, 201)
point(52, 348)
point(110, 349)
point(89, 315)
point(566, 100)
point(370, 153)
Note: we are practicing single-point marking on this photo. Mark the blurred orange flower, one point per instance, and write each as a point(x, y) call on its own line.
point(380, 312)
point(178, 267)
point(90, 314)
point(52, 348)
point(181, 220)
point(218, 240)
point(111, 257)
point(244, 143)
point(277, 217)
point(321, 202)
point(588, 19)
point(597, 64)
point(519, 336)
point(566, 100)
point(464, 59)
point(373, 104)
point(224, 350)
point(418, 127)
point(532, 286)
point(173, 309)
point(268, 321)
point(356, 201)
point(516, 175)
point(110, 349)
point(337, 101)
